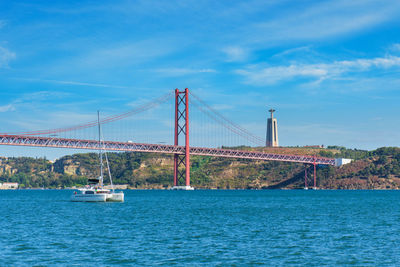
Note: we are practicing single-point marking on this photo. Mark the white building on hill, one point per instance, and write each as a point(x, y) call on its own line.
point(8, 185)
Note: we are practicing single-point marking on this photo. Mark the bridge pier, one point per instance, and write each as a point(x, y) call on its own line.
point(305, 177)
point(182, 161)
point(315, 175)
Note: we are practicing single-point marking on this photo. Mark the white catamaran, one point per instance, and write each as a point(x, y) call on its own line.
point(95, 191)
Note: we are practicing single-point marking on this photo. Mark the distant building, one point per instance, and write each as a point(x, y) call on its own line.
point(8, 185)
point(272, 131)
point(342, 161)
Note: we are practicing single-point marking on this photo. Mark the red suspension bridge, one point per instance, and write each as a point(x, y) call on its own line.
point(181, 148)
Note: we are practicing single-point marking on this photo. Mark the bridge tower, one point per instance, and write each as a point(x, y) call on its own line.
point(182, 161)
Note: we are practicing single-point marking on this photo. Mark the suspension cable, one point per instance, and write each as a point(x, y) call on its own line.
point(225, 122)
point(144, 107)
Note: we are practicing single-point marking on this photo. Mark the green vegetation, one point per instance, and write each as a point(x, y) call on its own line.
point(371, 169)
point(354, 154)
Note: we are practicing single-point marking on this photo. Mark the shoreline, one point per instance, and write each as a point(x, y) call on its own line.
point(220, 189)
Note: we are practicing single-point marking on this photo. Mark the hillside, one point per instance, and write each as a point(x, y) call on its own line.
point(379, 169)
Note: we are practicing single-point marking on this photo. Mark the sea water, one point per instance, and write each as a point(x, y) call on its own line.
point(238, 227)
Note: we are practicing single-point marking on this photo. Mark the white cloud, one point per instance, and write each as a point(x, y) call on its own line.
point(395, 47)
point(32, 99)
point(295, 50)
point(365, 64)
point(235, 53)
point(52, 120)
point(122, 55)
point(40, 96)
point(182, 71)
point(270, 75)
point(274, 74)
point(320, 20)
point(5, 57)
point(75, 83)
point(5, 108)
point(316, 20)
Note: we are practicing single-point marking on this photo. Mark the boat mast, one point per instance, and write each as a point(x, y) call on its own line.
point(100, 151)
point(108, 168)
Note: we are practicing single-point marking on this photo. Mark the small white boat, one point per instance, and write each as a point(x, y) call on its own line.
point(95, 192)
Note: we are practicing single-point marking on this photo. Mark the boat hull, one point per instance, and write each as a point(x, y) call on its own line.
point(89, 198)
point(115, 197)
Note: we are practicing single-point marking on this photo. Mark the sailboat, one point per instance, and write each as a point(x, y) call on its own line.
point(95, 191)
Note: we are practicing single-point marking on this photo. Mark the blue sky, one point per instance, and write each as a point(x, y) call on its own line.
point(329, 68)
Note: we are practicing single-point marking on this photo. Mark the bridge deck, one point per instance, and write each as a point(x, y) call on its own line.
point(35, 141)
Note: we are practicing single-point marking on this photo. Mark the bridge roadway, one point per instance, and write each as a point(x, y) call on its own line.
point(35, 141)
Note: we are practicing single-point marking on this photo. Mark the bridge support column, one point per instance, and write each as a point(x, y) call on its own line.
point(315, 175)
point(182, 161)
point(305, 177)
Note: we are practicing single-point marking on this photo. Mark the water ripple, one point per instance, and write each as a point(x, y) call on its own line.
point(210, 228)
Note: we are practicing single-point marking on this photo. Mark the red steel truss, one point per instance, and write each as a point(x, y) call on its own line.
point(34, 141)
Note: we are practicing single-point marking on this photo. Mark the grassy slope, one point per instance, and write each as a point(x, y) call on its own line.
point(371, 169)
